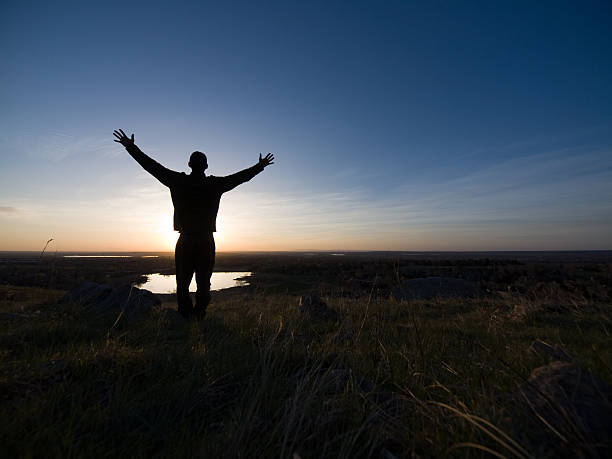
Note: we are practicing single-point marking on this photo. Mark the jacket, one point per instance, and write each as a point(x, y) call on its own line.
point(195, 199)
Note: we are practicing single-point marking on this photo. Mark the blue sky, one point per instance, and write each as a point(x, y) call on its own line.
point(396, 125)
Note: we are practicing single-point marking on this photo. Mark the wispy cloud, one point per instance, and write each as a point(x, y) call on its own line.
point(56, 146)
point(552, 200)
point(550, 194)
point(7, 210)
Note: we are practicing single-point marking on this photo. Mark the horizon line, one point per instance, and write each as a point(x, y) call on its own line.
point(313, 250)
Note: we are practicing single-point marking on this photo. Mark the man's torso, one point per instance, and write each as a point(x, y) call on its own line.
point(196, 203)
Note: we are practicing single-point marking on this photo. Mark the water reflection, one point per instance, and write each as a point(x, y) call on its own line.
point(109, 256)
point(97, 256)
point(159, 283)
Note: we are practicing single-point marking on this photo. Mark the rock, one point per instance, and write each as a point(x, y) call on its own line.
point(102, 299)
point(576, 405)
point(316, 308)
point(432, 287)
point(129, 299)
point(87, 293)
point(543, 349)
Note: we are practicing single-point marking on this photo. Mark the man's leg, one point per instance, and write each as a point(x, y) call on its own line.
point(204, 269)
point(184, 261)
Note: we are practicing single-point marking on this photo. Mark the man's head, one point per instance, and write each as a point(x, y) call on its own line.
point(198, 162)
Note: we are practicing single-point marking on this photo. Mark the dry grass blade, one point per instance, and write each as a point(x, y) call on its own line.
point(477, 421)
point(541, 418)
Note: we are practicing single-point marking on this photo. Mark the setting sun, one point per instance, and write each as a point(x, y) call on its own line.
point(165, 233)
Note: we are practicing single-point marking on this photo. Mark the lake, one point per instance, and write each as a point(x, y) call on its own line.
point(160, 283)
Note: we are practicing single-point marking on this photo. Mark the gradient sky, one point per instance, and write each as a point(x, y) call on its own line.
point(396, 125)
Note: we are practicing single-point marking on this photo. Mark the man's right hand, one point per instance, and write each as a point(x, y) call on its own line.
point(123, 139)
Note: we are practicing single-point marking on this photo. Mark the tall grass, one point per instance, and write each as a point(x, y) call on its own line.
point(258, 379)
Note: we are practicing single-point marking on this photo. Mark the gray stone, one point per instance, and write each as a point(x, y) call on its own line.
point(316, 308)
point(128, 299)
point(571, 412)
point(103, 299)
point(87, 293)
point(432, 287)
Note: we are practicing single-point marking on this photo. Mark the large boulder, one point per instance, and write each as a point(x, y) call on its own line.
point(569, 412)
point(102, 299)
point(87, 293)
point(432, 287)
point(315, 308)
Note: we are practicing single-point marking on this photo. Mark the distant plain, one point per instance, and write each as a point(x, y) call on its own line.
point(383, 377)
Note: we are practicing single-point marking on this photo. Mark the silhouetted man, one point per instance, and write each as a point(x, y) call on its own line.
point(196, 202)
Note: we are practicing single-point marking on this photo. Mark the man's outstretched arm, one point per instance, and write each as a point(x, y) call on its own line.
point(232, 181)
point(158, 171)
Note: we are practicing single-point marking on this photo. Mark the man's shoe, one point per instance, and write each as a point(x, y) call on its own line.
point(185, 313)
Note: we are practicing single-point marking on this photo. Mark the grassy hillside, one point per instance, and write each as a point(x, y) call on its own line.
point(259, 379)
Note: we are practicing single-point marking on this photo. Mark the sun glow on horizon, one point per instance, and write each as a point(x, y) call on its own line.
point(165, 233)
point(509, 150)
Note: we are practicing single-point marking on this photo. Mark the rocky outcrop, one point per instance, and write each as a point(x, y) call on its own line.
point(432, 287)
point(569, 412)
point(102, 299)
point(315, 308)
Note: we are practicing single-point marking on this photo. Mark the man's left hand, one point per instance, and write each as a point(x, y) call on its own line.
point(267, 160)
